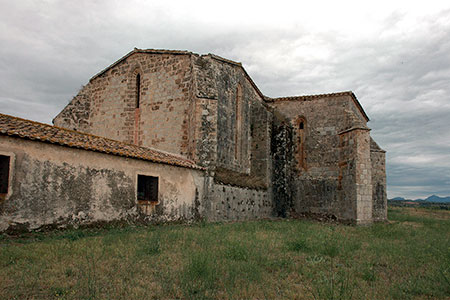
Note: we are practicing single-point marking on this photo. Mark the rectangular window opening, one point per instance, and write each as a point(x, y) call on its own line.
point(147, 188)
point(4, 174)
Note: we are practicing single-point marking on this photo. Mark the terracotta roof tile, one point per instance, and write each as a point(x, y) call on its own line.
point(13, 126)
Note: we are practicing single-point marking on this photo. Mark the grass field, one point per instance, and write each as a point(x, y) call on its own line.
point(407, 258)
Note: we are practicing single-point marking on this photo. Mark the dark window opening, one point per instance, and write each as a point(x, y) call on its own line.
point(147, 188)
point(4, 173)
point(238, 122)
point(138, 89)
point(301, 136)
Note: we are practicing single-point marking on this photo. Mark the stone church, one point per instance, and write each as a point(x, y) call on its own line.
point(165, 135)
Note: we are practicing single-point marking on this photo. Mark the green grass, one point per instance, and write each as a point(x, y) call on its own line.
point(407, 258)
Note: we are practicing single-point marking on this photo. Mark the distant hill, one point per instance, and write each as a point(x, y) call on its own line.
point(398, 199)
point(438, 199)
point(433, 198)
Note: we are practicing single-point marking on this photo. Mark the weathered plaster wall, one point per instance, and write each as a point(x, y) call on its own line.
point(378, 161)
point(106, 105)
point(325, 183)
point(55, 185)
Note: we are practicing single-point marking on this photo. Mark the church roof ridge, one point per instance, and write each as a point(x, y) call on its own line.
point(309, 97)
point(226, 60)
point(318, 96)
point(239, 64)
point(180, 52)
point(137, 50)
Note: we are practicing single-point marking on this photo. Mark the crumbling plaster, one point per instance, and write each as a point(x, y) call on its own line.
point(59, 185)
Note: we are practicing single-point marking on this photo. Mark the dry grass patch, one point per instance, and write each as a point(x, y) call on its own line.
point(285, 259)
point(428, 213)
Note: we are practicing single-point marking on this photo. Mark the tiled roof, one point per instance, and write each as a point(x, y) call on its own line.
point(319, 96)
point(13, 126)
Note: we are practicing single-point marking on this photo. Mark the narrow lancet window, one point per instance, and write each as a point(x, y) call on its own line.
point(301, 135)
point(238, 120)
point(138, 90)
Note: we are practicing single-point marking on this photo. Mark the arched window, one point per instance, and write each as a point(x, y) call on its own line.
point(136, 84)
point(138, 90)
point(301, 137)
point(238, 120)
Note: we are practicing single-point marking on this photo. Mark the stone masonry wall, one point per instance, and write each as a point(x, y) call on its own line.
point(242, 160)
point(363, 176)
point(228, 77)
point(205, 99)
point(346, 181)
point(232, 203)
point(282, 170)
point(106, 106)
point(261, 120)
point(58, 186)
point(239, 165)
point(325, 182)
point(378, 161)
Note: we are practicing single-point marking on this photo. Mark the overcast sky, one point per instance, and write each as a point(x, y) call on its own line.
point(394, 55)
